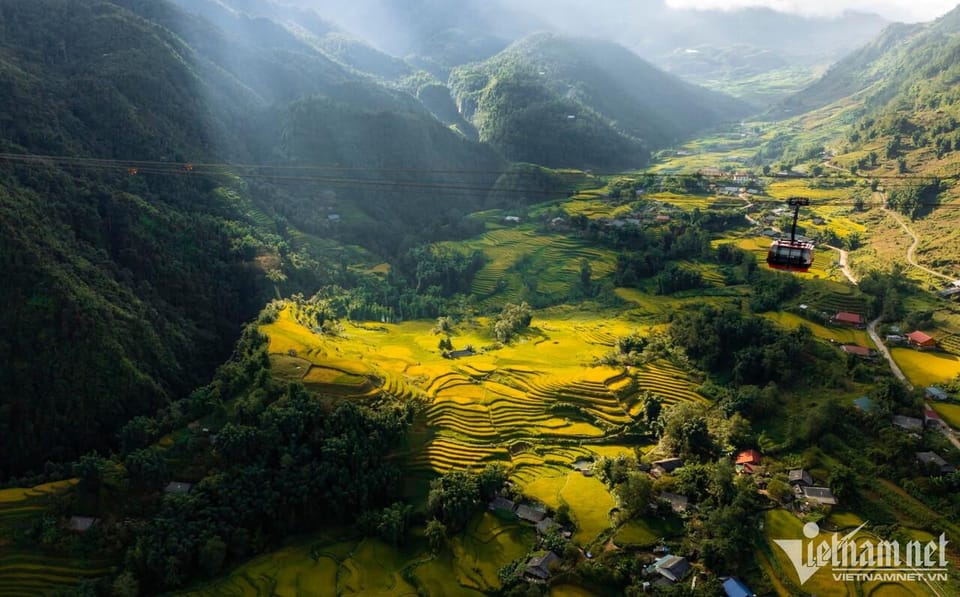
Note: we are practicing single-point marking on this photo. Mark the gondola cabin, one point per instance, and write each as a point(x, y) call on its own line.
point(791, 256)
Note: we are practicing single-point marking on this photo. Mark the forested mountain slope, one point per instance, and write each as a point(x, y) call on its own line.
point(581, 102)
point(886, 71)
point(124, 290)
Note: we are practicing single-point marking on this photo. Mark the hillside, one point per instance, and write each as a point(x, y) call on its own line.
point(129, 287)
point(891, 110)
point(581, 102)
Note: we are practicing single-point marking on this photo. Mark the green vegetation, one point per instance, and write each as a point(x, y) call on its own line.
point(445, 328)
point(565, 117)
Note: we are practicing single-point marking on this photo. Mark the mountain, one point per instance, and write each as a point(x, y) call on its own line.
point(565, 102)
point(124, 288)
point(908, 68)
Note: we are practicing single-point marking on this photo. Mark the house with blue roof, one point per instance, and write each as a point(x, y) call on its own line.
point(734, 587)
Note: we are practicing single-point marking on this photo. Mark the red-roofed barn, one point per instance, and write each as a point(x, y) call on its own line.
point(847, 318)
point(921, 340)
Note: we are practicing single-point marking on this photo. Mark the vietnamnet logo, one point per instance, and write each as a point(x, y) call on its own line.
point(866, 560)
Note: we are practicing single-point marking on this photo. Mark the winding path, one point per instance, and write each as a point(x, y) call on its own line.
point(872, 326)
point(913, 246)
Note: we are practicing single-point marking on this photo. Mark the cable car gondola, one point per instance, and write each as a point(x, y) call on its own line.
point(792, 255)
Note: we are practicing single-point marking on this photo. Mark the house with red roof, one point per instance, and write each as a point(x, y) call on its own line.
point(857, 351)
point(750, 456)
point(847, 318)
point(921, 341)
point(747, 461)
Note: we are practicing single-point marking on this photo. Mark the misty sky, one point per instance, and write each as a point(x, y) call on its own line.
point(894, 10)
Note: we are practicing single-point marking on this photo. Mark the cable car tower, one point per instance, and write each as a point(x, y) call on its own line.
point(792, 255)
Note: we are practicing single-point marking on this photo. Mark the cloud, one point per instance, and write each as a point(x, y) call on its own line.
point(896, 10)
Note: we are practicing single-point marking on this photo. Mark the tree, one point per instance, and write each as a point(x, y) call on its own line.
point(392, 524)
point(453, 498)
point(436, 534)
point(490, 481)
point(635, 494)
point(843, 482)
point(512, 319)
point(125, 585)
point(146, 468)
point(211, 555)
point(586, 273)
point(779, 490)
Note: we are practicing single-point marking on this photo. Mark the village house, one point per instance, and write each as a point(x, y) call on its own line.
point(935, 393)
point(858, 351)
point(666, 466)
point(734, 587)
point(817, 495)
point(501, 503)
point(864, 403)
point(81, 524)
point(847, 318)
point(747, 461)
point(670, 567)
point(529, 514)
point(546, 525)
point(799, 477)
point(540, 567)
point(933, 462)
point(921, 341)
point(911, 424)
point(178, 487)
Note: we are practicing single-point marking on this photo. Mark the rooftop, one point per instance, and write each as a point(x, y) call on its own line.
point(860, 351)
point(908, 423)
point(919, 337)
point(529, 514)
point(81, 523)
point(847, 317)
point(821, 495)
point(673, 568)
point(177, 487)
point(734, 587)
point(750, 456)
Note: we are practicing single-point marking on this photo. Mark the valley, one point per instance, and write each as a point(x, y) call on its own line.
point(357, 298)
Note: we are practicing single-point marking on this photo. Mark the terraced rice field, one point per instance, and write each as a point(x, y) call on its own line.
point(951, 344)
point(553, 261)
point(535, 405)
point(926, 368)
point(370, 567)
point(34, 573)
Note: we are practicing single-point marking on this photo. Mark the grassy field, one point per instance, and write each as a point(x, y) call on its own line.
point(646, 532)
point(841, 335)
point(926, 368)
